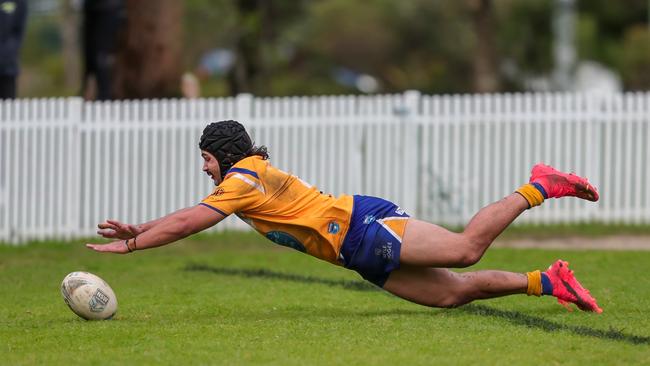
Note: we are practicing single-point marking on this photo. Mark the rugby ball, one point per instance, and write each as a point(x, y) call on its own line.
point(88, 296)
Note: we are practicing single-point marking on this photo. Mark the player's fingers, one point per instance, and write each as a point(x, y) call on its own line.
point(107, 233)
point(133, 229)
point(111, 227)
point(116, 223)
point(96, 247)
point(106, 225)
point(124, 227)
point(118, 227)
point(104, 248)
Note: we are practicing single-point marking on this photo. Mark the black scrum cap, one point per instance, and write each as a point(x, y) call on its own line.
point(228, 141)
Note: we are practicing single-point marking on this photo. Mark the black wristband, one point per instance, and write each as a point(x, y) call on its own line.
point(126, 242)
point(135, 244)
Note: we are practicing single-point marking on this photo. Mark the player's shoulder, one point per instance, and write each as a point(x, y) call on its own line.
point(252, 166)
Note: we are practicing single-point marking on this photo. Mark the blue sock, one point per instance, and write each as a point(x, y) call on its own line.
point(541, 189)
point(547, 287)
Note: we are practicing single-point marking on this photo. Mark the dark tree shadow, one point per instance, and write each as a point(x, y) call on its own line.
point(529, 321)
point(272, 275)
point(513, 317)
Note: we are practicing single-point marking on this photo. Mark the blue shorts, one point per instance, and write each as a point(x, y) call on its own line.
point(374, 240)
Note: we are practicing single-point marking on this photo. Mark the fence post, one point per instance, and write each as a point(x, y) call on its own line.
point(5, 174)
point(412, 150)
point(594, 149)
point(244, 107)
point(74, 189)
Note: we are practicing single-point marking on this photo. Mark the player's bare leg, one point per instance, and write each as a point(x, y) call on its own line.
point(440, 287)
point(428, 245)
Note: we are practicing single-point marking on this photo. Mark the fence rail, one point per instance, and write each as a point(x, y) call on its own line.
point(67, 164)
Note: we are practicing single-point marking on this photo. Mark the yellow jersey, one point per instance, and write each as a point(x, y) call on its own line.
point(284, 208)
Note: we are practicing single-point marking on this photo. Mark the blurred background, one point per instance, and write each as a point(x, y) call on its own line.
point(105, 49)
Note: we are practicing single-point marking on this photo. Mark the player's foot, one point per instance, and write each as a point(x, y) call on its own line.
point(557, 184)
point(567, 289)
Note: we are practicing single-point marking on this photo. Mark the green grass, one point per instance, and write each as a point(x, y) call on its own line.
point(236, 299)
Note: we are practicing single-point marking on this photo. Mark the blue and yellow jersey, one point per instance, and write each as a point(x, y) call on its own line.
point(283, 208)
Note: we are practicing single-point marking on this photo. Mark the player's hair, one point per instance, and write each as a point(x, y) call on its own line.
point(261, 151)
point(229, 142)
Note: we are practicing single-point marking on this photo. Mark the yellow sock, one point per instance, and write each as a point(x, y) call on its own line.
point(534, 283)
point(531, 194)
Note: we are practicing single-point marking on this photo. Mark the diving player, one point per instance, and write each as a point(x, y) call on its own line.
point(374, 237)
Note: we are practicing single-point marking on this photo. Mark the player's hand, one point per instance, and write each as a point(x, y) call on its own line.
point(113, 229)
point(117, 247)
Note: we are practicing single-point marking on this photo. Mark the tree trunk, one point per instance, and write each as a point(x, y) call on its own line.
point(149, 51)
point(69, 27)
point(256, 29)
point(486, 75)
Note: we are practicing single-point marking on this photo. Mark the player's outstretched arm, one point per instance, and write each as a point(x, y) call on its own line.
point(171, 228)
point(114, 229)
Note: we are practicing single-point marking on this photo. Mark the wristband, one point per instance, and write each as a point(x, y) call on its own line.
point(126, 242)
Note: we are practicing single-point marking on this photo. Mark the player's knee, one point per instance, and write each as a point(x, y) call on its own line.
point(469, 257)
point(459, 295)
point(451, 301)
point(470, 253)
point(477, 242)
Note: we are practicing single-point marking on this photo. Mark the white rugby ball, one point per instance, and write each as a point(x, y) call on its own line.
point(89, 296)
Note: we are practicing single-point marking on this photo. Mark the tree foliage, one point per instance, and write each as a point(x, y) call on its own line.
point(302, 47)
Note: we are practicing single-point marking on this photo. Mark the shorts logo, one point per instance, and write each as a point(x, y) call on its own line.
point(369, 219)
point(98, 302)
point(333, 228)
point(399, 211)
point(218, 192)
point(386, 251)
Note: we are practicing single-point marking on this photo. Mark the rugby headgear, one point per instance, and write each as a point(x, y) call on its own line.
point(228, 141)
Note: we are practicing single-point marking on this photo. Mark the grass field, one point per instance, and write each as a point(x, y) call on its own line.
point(236, 299)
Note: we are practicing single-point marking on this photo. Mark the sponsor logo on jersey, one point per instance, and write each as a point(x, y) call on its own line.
point(285, 239)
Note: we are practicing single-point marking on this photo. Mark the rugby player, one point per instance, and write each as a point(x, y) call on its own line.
point(374, 237)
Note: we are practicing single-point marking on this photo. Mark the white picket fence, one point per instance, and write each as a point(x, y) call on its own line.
point(67, 164)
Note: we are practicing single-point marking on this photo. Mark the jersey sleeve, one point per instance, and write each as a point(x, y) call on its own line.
point(236, 193)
